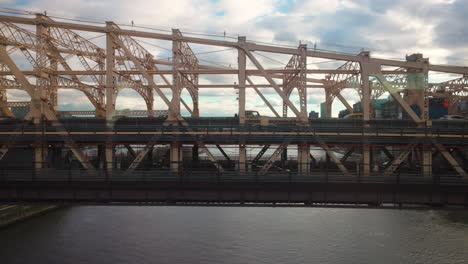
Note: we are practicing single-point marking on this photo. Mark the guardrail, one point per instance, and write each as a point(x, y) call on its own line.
point(229, 135)
point(187, 177)
point(136, 127)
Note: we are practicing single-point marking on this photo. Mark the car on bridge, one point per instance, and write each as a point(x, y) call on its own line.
point(353, 116)
point(454, 117)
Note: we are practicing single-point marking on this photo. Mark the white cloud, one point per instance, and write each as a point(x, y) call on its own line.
point(391, 29)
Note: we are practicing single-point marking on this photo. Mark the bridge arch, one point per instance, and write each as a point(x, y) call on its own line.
point(70, 98)
point(193, 95)
point(292, 94)
point(129, 98)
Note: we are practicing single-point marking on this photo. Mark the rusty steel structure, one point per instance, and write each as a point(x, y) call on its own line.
point(62, 57)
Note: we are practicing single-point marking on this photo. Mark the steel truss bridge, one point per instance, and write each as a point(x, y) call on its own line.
point(414, 161)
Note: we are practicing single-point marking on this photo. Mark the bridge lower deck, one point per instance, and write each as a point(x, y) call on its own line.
point(213, 188)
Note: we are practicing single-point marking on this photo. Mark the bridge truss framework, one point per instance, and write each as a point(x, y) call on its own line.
point(124, 62)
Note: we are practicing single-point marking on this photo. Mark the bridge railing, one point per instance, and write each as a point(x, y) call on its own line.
point(97, 125)
point(71, 176)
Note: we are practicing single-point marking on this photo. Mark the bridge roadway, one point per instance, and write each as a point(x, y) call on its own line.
point(208, 187)
point(227, 131)
point(184, 186)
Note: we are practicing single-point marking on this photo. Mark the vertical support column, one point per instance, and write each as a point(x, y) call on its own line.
point(415, 85)
point(110, 76)
point(53, 95)
point(242, 159)
point(42, 63)
point(426, 148)
point(366, 108)
point(4, 110)
point(195, 156)
point(174, 110)
point(195, 113)
point(110, 92)
point(150, 104)
point(418, 84)
point(196, 109)
point(42, 95)
point(101, 110)
point(194, 94)
point(427, 160)
point(302, 83)
point(303, 158)
point(175, 157)
point(242, 77)
point(328, 102)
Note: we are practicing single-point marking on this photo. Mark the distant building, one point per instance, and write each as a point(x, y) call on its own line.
point(323, 110)
point(313, 114)
point(462, 108)
point(438, 107)
point(19, 109)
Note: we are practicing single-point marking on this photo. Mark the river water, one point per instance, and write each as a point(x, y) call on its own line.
point(176, 235)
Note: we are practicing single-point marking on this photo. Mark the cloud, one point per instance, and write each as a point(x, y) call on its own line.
point(389, 29)
point(452, 31)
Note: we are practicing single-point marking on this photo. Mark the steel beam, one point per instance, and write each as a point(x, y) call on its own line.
point(222, 152)
point(152, 84)
point(397, 162)
point(141, 154)
point(273, 84)
point(347, 154)
point(260, 154)
point(303, 159)
point(175, 157)
point(130, 150)
point(274, 157)
point(263, 97)
point(395, 95)
point(38, 105)
point(223, 43)
point(451, 160)
point(110, 93)
point(201, 71)
point(335, 160)
point(242, 77)
point(344, 102)
point(387, 153)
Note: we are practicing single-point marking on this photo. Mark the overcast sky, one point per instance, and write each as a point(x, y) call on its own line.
point(390, 29)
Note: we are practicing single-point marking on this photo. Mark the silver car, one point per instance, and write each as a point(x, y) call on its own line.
point(454, 117)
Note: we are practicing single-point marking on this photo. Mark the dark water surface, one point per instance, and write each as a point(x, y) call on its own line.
point(151, 234)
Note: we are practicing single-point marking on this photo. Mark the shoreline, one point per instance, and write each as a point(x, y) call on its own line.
point(13, 214)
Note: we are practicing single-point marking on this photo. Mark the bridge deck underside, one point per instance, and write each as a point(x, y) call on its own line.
point(221, 190)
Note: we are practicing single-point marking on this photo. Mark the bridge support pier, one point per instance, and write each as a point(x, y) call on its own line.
point(284, 157)
point(303, 159)
point(110, 94)
point(195, 156)
point(366, 70)
point(242, 159)
point(109, 153)
point(38, 157)
point(426, 160)
point(175, 157)
point(39, 145)
point(242, 62)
